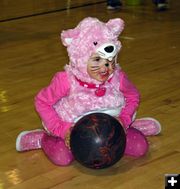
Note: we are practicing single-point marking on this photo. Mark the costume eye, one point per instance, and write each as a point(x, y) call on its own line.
point(95, 43)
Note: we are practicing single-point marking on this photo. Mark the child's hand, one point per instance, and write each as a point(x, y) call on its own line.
point(67, 137)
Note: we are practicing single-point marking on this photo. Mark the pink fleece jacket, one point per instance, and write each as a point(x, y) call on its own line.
point(57, 104)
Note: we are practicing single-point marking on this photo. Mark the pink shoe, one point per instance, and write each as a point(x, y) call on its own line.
point(29, 140)
point(148, 126)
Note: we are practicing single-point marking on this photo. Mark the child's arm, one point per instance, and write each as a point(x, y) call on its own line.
point(132, 98)
point(46, 98)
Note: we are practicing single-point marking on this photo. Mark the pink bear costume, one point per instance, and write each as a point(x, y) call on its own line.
point(73, 93)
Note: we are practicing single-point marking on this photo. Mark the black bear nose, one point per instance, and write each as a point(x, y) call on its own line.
point(109, 49)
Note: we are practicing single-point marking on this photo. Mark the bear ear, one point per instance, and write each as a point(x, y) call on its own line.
point(116, 25)
point(68, 36)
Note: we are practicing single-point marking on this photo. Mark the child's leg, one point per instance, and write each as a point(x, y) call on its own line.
point(29, 140)
point(56, 150)
point(136, 143)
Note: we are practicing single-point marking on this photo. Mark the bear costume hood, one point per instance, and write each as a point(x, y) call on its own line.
point(88, 37)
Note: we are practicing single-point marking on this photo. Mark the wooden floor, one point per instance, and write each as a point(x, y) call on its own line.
point(30, 54)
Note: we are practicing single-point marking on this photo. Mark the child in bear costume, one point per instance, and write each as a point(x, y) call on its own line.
point(92, 82)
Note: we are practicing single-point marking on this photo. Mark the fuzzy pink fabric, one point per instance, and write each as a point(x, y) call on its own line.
point(82, 100)
point(59, 103)
point(81, 40)
point(64, 100)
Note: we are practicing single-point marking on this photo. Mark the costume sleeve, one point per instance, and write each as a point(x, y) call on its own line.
point(46, 98)
point(132, 99)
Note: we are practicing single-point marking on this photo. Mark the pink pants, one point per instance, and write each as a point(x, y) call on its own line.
point(56, 150)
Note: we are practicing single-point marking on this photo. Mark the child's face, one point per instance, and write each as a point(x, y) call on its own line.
point(100, 69)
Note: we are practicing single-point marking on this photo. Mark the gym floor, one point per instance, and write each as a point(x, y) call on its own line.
point(31, 53)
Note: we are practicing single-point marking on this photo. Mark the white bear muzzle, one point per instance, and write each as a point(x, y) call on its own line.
point(107, 51)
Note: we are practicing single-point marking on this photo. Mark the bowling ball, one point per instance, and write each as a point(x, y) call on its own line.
point(97, 141)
